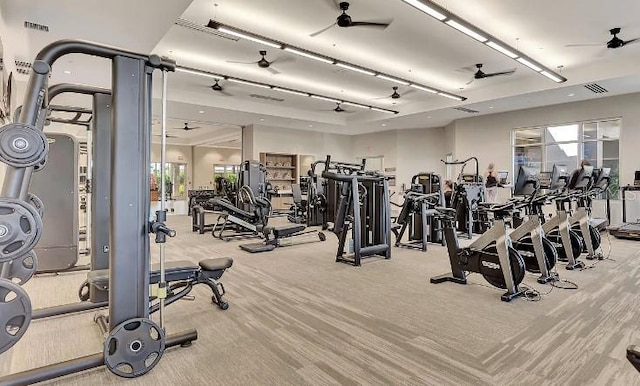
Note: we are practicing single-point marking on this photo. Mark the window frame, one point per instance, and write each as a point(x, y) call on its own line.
point(545, 142)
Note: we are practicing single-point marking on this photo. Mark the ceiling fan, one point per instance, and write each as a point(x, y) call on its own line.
point(264, 63)
point(339, 109)
point(481, 74)
point(186, 127)
point(396, 94)
point(345, 20)
point(217, 88)
point(614, 43)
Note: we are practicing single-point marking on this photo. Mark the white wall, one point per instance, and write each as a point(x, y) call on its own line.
point(489, 137)
point(281, 140)
point(203, 160)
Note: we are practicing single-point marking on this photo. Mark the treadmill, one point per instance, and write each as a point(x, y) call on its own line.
point(627, 230)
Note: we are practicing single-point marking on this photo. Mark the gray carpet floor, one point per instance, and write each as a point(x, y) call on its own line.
point(297, 317)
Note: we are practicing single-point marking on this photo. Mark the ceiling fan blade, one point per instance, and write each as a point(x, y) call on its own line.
point(502, 73)
point(409, 91)
point(234, 62)
point(384, 97)
point(632, 41)
point(471, 81)
point(272, 70)
point(225, 93)
point(585, 45)
point(323, 30)
point(283, 59)
point(373, 24)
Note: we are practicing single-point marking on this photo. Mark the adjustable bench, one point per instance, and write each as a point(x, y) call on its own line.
point(283, 236)
point(198, 222)
point(180, 276)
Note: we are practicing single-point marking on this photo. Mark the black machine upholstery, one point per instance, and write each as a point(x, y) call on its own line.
point(180, 276)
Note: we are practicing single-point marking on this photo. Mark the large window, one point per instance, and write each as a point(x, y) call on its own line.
point(595, 141)
point(229, 172)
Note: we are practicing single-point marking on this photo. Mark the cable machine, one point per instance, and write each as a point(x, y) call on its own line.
point(363, 212)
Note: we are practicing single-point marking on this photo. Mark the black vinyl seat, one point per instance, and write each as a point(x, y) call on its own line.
point(180, 275)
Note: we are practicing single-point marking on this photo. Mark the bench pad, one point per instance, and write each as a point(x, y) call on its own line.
point(220, 263)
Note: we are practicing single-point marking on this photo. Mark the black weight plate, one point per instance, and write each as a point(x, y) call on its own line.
point(134, 347)
point(37, 203)
point(15, 314)
point(495, 276)
point(23, 268)
point(20, 228)
point(22, 145)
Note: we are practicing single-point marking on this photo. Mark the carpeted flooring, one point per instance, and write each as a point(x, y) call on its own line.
point(297, 317)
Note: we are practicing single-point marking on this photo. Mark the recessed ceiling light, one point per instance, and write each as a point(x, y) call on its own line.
point(308, 55)
point(527, 63)
point(261, 119)
point(201, 112)
point(466, 30)
point(384, 124)
point(572, 94)
point(394, 80)
point(490, 107)
point(67, 72)
point(310, 125)
point(248, 37)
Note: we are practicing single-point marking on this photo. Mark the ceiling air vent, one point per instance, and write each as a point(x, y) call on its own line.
point(265, 97)
point(201, 28)
point(23, 67)
point(466, 110)
point(36, 26)
point(596, 88)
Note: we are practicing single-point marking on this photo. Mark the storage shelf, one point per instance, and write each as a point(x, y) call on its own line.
point(281, 167)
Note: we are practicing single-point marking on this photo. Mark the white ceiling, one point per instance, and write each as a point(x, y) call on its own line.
point(415, 47)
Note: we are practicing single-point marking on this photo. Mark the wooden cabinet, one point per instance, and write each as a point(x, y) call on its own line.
point(282, 171)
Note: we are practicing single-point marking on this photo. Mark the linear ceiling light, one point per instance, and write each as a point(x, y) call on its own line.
point(527, 63)
point(434, 10)
point(355, 105)
point(551, 76)
point(208, 74)
point(308, 55)
point(196, 72)
point(248, 37)
point(381, 110)
point(220, 27)
point(423, 88)
point(248, 83)
point(501, 49)
point(291, 91)
point(466, 30)
point(325, 98)
point(393, 80)
point(356, 69)
point(426, 9)
point(450, 96)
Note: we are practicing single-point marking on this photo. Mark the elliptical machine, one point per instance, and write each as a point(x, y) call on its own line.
point(468, 193)
point(491, 255)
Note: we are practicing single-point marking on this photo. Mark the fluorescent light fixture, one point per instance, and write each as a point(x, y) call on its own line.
point(553, 77)
point(356, 69)
point(307, 55)
point(248, 37)
point(325, 98)
point(444, 94)
point(382, 110)
point(354, 105)
point(394, 80)
point(466, 30)
point(426, 9)
point(501, 49)
point(527, 63)
point(290, 91)
point(197, 72)
point(423, 88)
point(248, 83)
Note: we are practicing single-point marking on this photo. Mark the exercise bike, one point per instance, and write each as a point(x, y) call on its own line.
point(491, 255)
